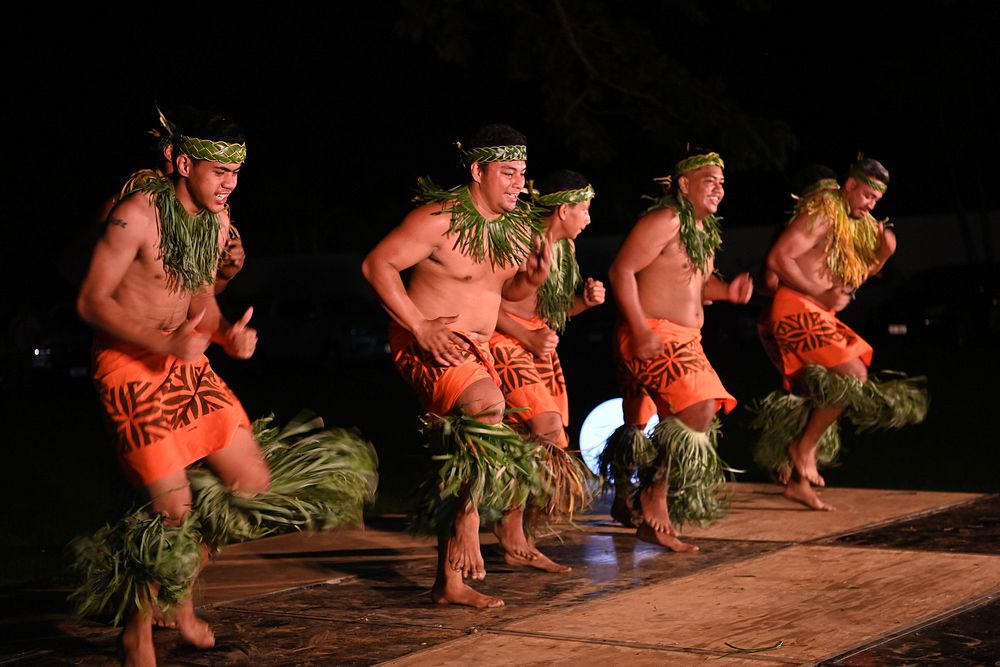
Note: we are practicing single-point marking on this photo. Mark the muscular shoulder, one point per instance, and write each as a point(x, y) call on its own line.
point(810, 224)
point(427, 221)
point(416, 238)
point(134, 216)
point(657, 227)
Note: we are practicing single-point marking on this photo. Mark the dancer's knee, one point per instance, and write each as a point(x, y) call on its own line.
point(549, 426)
point(482, 400)
point(173, 506)
point(253, 480)
point(171, 497)
point(855, 368)
point(699, 416)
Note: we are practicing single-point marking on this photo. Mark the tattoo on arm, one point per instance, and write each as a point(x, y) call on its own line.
point(117, 222)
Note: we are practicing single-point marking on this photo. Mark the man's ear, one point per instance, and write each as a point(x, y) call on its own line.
point(682, 184)
point(478, 171)
point(184, 163)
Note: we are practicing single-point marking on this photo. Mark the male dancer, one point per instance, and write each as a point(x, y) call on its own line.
point(149, 294)
point(662, 277)
point(830, 248)
point(524, 345)
point(467, 247)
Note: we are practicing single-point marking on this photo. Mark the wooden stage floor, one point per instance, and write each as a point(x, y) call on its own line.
point(892, 578)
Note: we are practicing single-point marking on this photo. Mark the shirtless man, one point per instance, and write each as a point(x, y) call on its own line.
point(233, 255)
point(662, 277)
point(468, 248)
point(524, 344)
point(150, 297)
point(815, 180)
point(828, 250)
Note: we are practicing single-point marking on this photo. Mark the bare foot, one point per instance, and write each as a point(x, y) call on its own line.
point(653, 502)
point(463, 552)
point(450, 589)
point(800, 491)
point(539, 561)
point(135, 643)
point(664, 539)
point(804, 462)
point(510, 533)
point(193, 629)
point(161, 619)
point(621, 511)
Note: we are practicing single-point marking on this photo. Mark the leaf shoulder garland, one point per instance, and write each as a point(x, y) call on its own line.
point(700, 244)
point(189, 244)
point(504, 242)
point(852, 243)
point(557, 294)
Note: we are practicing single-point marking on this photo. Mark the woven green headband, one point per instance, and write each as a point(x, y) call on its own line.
point(493, 154)
point(696, 162)
point(214, 151)
point(873, 183)
point(567, 197)
point(819, 186)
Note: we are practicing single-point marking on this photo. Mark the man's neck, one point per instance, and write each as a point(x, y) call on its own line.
point(184, 197)
point(554, 231)
point(475, 194)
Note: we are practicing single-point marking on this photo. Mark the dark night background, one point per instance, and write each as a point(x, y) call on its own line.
point(344, 109)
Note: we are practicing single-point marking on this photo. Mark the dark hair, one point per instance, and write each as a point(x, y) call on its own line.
point(872, 169)
point(496, 134)
point(564, 179)
point(209, 125)
point(806, 177)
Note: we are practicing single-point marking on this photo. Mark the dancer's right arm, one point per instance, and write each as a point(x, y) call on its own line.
point(412, 242)
point(641, 247)
point(798, 257)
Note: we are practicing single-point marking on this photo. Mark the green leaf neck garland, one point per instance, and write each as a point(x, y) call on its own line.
point(557, 294)
point(852, 243)
point(505, 241)
point(699, 244)
point(189, 244)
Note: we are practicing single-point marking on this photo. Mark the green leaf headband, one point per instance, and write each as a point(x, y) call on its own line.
point(873, 183)
point(566, 197)
point(696, 162)
point(492, 154)
point(819, 186)
point(214, 151)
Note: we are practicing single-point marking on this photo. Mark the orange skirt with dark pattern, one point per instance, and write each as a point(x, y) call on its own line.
point(680, 377)
point(438, 387)
point(164, 413)
point(638, 406)
point(534, 385)
point(806, 333)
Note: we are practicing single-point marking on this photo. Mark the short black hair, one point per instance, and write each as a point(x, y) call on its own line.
point(204, 124)
point(872, 169)
point(495, 134)
point(808, 176)
point(563, 179)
